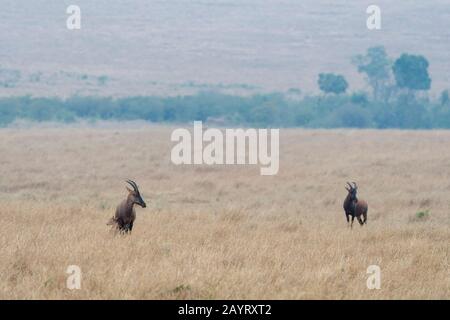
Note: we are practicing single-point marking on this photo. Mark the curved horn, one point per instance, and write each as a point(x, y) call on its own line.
point(356, 187)
point(133, 184)
point(349, 185)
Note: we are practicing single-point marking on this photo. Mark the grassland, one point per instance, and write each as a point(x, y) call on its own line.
point(223, 231)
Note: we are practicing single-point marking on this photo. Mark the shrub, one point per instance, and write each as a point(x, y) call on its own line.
point(421, 216)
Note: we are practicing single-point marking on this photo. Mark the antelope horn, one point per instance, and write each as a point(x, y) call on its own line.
point(133, 184)
point(354, 183)
point(349, 185)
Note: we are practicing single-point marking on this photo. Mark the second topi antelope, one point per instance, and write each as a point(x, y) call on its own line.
point(354, 207)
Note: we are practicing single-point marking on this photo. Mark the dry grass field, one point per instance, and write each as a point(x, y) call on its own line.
point(223, 231)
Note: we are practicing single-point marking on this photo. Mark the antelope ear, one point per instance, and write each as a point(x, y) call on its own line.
point(347, 189)
point(128, 189)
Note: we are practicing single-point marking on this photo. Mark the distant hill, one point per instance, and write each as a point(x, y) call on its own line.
point(170, 47)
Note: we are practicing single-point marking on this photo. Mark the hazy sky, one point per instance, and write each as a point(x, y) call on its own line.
point(160, 46)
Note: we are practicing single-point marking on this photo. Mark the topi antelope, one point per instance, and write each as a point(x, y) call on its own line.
point(354, 207)
point(125, 212)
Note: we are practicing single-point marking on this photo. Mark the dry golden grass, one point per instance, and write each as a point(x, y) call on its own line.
point(223, 231)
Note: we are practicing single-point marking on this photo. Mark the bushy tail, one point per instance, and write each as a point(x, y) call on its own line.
point(111, 221)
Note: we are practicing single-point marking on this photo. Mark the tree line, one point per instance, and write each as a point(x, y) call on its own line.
point(397, 98)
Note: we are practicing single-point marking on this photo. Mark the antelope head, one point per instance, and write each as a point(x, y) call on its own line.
point(352, 190)
point(134, 195)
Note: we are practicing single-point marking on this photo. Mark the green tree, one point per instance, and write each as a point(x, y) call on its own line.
point(344, 116)
point(445, 98)
point(376, 65)
point(411, 72)
point(359, 98)
point(332, 83)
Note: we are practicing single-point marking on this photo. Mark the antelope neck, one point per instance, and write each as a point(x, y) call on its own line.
point(130, 203)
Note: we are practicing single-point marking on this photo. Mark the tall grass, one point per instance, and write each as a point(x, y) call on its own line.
point(223, 231)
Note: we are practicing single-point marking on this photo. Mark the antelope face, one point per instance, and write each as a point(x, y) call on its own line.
point(352, 190)
point(135, 195)
point(137, 199)
point(353, 194)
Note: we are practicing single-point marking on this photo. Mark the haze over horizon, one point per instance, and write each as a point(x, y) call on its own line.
point(169, 47)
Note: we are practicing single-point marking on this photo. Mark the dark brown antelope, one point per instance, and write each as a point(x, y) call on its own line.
point(125, 212)
point(354, 207)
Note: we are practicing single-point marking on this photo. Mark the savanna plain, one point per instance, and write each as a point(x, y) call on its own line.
point(223, 232)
